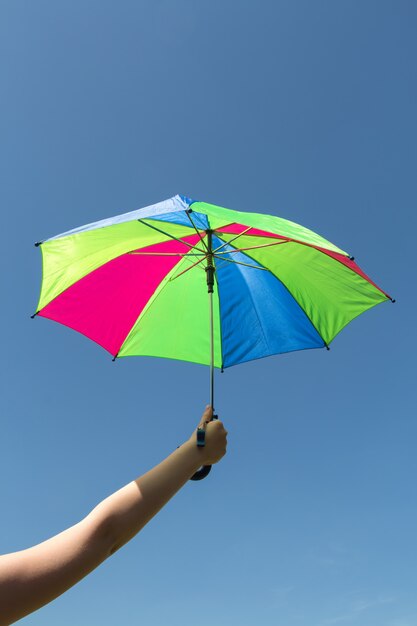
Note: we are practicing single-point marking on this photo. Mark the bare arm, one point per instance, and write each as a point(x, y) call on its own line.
point(33, 577)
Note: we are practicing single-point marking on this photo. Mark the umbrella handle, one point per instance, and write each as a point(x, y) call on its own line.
point(201, 440)
point(201, 473)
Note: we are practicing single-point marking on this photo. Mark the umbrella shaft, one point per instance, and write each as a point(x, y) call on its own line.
point(211, 351)
point(210, 288)
point(210, 264)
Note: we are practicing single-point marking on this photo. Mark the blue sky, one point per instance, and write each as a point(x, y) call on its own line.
point(306, 110)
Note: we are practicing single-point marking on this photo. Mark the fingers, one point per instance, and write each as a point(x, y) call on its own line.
point(217, 426)
point(216, 441)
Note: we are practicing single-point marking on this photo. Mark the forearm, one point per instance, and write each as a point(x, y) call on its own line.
point(125, 512)
point(31, 578)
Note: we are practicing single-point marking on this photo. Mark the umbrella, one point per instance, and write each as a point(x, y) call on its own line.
point(137, 284)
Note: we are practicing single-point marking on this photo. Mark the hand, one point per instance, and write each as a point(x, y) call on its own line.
point(216, 438)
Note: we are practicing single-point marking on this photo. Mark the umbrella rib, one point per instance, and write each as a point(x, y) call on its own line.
point(255, 267)
point(169, 253)
point(159, 230)
point(265, 245)
point(188, 211)
point(227, 242)
point(187, 269)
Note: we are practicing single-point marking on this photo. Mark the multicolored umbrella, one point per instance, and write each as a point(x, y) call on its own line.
point(137, 284)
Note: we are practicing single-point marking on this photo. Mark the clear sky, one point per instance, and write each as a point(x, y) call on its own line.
point(301, 109)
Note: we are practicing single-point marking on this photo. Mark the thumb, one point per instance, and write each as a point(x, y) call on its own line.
point(206, 417)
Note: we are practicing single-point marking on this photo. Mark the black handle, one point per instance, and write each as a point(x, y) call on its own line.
point(201, 473)
point(205, 469)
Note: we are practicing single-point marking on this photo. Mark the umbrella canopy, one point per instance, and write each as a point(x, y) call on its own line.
point(136, 284)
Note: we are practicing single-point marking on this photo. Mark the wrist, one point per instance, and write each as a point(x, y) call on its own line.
point(193, 455)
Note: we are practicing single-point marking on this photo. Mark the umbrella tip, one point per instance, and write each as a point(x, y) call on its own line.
point(114, 358)
point(32, 317)
point(186, 199)
point(37, 244)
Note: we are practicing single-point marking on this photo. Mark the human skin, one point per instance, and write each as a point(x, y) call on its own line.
point(31, 578)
